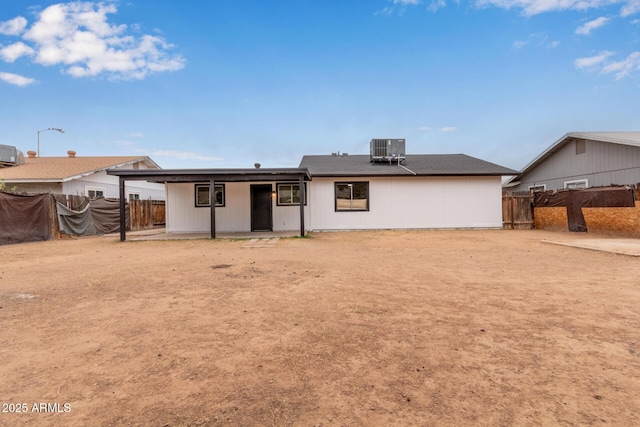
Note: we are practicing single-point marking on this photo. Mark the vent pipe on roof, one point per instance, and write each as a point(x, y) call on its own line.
point(71, 154)
point(31, 154)
point(257, 165)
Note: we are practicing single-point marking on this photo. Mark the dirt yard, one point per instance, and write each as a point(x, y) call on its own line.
point(383, 328)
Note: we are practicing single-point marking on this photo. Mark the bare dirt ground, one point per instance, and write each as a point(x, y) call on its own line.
point(340, 329)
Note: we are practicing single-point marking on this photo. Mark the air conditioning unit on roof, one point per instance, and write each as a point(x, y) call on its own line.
point(387, 150)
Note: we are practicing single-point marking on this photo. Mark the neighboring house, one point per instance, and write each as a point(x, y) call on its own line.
point(582, 160)
point(340, 192)
point(85, 176)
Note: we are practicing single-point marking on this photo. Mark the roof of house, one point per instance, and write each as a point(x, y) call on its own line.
point(62, 169)
point(415, 164)
point(623, 138)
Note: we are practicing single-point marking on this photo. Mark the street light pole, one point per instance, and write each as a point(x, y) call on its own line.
point(44, 130)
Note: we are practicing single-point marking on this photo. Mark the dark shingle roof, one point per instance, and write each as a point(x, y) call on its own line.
point(421, 164)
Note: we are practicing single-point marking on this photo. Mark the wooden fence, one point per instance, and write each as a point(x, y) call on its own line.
point(143, 214)
point(517, 210)
point(146, 214)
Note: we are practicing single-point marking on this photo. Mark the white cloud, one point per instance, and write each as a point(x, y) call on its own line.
point(425, 128)
point(78, 37)
point(184, 155)
point(136, 134)
point(13, 27)
point(621, 69)
point(535, 7)
point(537, 39)
point(16, 80)
point(437, 5)
point(586, 28)
point(398, 6)
point(592, 61)
point(386, 11)
point(530, 7)
point(519, 44)
point(554, 44)
point(631, 8)
point(625, 67)
point(14, 51)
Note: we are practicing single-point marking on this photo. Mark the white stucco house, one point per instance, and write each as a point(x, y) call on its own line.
point(76, 175)
point(339, 192)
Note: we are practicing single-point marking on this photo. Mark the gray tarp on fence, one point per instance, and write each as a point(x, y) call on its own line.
point(99, 216)
point(75, 223)
point(24, 218)
point(106, 215)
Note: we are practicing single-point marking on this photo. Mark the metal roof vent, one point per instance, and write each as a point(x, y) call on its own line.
point(8, 155)
point(387, 150)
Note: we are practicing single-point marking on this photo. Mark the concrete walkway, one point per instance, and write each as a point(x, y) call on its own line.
point(630, 247)
point(261, 243)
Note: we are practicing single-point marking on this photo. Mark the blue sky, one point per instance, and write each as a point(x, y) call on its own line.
point(229, 83)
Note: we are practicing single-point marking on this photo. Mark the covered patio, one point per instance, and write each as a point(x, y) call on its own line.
point(211, 177)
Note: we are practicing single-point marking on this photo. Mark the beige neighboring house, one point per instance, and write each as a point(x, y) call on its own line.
point(76, 175)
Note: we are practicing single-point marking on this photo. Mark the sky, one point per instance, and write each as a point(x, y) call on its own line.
point(230, 83)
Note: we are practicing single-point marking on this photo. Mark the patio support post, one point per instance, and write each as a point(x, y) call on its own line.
point(212, 200)
point(123, 222)
point(302, 199)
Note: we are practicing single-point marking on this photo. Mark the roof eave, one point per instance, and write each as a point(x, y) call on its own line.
point(32, 180)
point(366, 175)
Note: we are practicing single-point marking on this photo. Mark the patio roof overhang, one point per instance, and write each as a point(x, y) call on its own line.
point(211, 176)
point(205, 175)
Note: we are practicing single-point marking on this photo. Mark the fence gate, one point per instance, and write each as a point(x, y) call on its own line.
point(517, 210)
point(158, 212)
point(146, 213)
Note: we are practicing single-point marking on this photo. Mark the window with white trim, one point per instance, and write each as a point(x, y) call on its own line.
point(352, 196)
point(134, 196)
point(289, 194)
point(95, 192)
point(202, 195)
point(539, 187)
point(578, 183)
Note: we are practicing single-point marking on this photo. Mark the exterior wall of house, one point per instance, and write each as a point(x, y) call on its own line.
point(412, 202)
point(110, 184)
point(182, 216)
point(601, 164)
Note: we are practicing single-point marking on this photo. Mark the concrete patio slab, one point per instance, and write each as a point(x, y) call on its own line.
point(162, 235)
